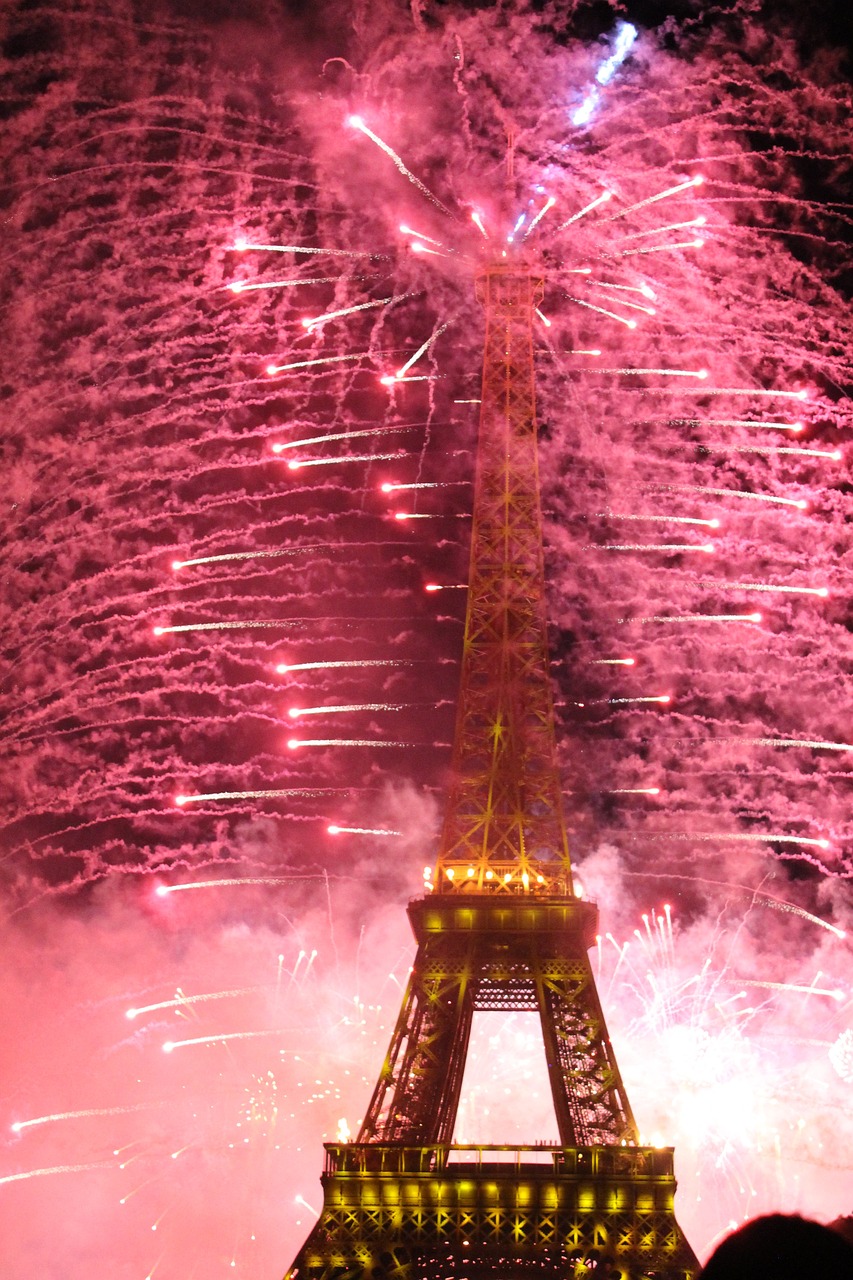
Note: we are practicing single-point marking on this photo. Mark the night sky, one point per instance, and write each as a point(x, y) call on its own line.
point(163, 557)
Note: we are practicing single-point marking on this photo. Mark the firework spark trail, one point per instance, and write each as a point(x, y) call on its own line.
point(169, 1046)
point(298, 463)
point(696, 617)
point(725, 585)
point(613, 515)
point(317, 322)
point(284, 667)
point(661, 195)
point(653, 546)
point(181, 1000)
point(273, 369)
point(800, 503)
point(164, 890)
point(20, 1125)
point(282, 793)
point(59, 1168)
point(631, 324)
point(356, 122)
point(594, 204)
point(249, 286)
point(345, 435)
point(297, 712)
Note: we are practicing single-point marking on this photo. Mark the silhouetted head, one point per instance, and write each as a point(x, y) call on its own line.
point(779, 1247)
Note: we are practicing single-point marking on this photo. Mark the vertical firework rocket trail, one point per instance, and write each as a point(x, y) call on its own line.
point(239, 397)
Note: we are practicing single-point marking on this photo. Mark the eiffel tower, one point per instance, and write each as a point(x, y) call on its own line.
point(501, 929)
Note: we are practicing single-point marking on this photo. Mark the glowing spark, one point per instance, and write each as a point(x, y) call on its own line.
point(630, 324)
point(446, 586)
point(698, 617)
point(772, 450)
point(755, 391)
point(407, 231)
point(242, 286)
point(250, 623)
point(730, 493)
point(199, 999)
point(361, 831)
point(643, 288)
point(799, 742)
point(634, 791)
point(750, 837)
point(580, 351)
point(614, 662)
point(356, 122)
point(295, 712)
point(169, 1046)
point(543, 318)
point(710, 524)
point(673, 226)
point(665, 697)
point(317, 322)
point(478, 223)
point(430, 515)
point(671, 373)
point(283, 667)
point(736, 422)
point(549, 204)
point(388, 487)
point(626, 302)
point(298, 463)
point(584, 112)
point(273, 369)
point(420, 351)
point(343, 1134)
point(203, 797)
point(343, 435)
point(662, 248)
point(243, 247)
point(661, 195)
point(164, 889)
point(788, 986)
point(295, 743)
point(246, 555)
point(823, 592)
point(57, 1168)
point(626, 34)
point(417, 247)
point(19, 1125)
point(656, 546)
point(602, 199)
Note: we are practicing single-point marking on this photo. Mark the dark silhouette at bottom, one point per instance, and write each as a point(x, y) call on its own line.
point(781, 1247)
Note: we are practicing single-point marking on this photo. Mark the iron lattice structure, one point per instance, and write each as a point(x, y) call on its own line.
point(501, 930)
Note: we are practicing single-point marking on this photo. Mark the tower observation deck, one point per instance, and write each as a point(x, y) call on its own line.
point(501, 930)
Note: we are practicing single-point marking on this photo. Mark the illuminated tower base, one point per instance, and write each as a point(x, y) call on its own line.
point(501, 931)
